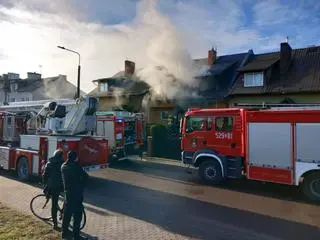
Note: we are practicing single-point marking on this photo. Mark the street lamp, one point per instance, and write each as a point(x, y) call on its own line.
point(78, 84)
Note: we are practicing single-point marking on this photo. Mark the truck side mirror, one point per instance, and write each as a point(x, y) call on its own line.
point(189, 130)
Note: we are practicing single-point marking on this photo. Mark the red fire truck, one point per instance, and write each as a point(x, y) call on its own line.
point(125, 131)
point(28, 138)
point(277, 144)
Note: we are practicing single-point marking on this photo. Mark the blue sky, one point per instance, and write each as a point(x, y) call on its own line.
point(261, 23)
point(107, 31)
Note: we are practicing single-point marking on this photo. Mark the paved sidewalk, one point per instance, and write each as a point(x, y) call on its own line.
point(101, 224)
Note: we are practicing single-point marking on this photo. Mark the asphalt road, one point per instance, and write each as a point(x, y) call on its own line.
point(167, 196)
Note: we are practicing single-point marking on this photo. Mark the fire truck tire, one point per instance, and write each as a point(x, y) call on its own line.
point(311, 186)
point(210, 172)
point(23, 169)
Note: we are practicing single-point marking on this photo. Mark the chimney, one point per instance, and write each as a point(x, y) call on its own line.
point(212, 56)
point(34, 75)
point(285, 57)
point(129, 68)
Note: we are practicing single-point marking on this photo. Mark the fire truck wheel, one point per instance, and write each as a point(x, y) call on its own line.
point(311, 186)
point(22, 169)
point(210, 172)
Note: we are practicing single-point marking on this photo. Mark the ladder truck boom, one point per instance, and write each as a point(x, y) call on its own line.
point(31, 132)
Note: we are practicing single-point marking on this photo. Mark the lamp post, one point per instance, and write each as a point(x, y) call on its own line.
point(78, 83)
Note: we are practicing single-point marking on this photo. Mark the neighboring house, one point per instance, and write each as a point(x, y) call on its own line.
point(216, 82)
point(9, 89)
point(288, 76)
point(121, 91)
point(212, 89)
point(14, 89)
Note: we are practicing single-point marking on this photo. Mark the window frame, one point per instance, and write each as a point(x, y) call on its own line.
point(9, 120)
point(224, 130)
point(161, 115)
point(103, 87)
point(254, 81)
point(209, 127)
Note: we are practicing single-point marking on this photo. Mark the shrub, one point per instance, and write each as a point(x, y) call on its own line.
point(159, 133)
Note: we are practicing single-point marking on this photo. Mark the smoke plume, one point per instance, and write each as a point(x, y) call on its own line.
point(58, 87)
point(31, 33)
point(118, 94)
point(170, 68)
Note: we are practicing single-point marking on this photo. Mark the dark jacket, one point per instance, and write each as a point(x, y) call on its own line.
point(74, 178)
point(52, 174)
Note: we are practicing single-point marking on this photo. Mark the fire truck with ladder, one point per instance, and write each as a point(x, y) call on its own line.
point(125, 131)
point(278, 144)
point(31, 131)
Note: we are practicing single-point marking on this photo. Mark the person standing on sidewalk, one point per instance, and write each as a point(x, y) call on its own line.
point(53, 180)
point(74, 178)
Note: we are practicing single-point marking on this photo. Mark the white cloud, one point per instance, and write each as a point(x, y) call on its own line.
point(298, 20)
point(63, 7)
point(218, 23)
point(272, 12)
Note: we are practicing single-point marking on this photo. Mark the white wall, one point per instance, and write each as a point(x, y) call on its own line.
point(19, 96)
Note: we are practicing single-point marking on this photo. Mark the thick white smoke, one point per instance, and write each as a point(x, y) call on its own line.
point(169, 68)
point(30, 34)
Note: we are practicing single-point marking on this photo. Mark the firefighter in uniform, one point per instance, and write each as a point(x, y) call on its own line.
point(74, 178)
point(53, 180)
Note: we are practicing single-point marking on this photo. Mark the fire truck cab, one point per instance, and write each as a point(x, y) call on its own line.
point(277, 145)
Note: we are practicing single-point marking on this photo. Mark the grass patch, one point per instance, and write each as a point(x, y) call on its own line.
point(15, 225)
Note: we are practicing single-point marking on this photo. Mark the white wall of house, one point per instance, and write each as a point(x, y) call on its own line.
point(1, 97)
point(19, 96)
point(14, 95)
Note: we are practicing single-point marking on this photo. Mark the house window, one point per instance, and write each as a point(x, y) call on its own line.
point(224, 124)
point(253, 79)
point(9, 120)
point(164, 115)
point(14, 87)
point(103, 87)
